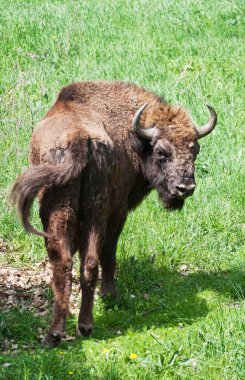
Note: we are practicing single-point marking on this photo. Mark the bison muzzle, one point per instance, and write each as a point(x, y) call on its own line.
point(94, 156)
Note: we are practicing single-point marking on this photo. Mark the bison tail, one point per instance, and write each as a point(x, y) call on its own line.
point(33, 179)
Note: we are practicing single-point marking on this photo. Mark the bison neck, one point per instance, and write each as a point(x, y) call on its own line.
point(140, 189)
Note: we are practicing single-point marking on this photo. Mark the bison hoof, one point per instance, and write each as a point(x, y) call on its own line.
point(84, 330)
point(108, 292)
point(53, 339)
point(108, 296)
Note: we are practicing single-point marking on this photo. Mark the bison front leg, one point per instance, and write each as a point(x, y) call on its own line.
point(108, 265)
point(108, 254)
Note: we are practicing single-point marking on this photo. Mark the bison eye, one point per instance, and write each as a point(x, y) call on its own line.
point(161, 156)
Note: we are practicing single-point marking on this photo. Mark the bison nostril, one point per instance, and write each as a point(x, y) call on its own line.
point(181, 189)
point(185, 189)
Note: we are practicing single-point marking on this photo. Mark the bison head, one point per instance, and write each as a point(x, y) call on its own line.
point(166, 142)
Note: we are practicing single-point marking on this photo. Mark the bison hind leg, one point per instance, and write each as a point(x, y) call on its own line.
point(58, 212)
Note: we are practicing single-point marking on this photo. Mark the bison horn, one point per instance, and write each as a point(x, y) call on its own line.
point(207, 128)
point(145, 133)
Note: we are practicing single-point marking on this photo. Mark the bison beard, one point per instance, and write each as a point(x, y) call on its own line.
point(94, 156)
point(173, 203)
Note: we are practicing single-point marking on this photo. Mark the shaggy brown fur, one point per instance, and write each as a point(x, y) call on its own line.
point(88, 169)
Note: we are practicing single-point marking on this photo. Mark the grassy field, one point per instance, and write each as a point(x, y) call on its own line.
point(180, 309)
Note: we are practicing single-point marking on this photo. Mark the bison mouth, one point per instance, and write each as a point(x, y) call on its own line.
point(170, 201)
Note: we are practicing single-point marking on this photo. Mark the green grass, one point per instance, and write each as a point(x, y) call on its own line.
point(192, 53)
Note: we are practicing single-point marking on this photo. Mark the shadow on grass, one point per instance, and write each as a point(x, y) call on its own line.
point(149, 296)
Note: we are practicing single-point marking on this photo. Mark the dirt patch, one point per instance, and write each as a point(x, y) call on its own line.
point(29, 288)
point(25, 288)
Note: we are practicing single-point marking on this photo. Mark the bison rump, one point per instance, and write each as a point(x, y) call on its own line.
point(27, 185)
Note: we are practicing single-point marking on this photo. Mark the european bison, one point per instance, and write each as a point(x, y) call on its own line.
point(95, 155)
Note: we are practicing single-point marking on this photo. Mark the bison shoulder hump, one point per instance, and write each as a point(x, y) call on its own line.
point(72, 92)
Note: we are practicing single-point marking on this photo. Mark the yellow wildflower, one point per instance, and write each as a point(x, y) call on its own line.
point(105, 350)
point(61, 353)
point(133, 356)
point(70, 373)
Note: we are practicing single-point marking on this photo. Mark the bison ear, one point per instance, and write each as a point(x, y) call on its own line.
point(138, 144)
